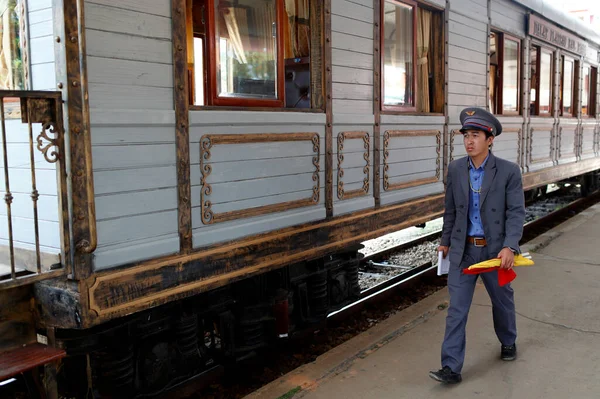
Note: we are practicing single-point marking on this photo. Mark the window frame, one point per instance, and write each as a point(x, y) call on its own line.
point(499, 89)
point(591, 105)
point(540, 50)
point(593, 96)
point(213, 97)
point(562, 113)
point(398, 108)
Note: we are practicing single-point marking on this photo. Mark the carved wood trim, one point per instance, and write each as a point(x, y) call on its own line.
point(209, 140)
point(84, 211)
point(387, 186)
point(342, 195)
point(182, 142)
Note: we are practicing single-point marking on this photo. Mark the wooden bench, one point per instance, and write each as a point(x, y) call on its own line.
point(28, 358)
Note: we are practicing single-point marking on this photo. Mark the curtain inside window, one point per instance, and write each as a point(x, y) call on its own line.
point(298, 30)
point(423, 36)
point(10, 55)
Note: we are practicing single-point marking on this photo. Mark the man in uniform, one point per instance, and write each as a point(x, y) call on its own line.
point(483, 219)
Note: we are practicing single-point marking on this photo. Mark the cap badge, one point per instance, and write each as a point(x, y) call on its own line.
point(470, 113)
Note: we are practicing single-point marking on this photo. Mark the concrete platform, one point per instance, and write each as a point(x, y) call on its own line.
point(558, 322)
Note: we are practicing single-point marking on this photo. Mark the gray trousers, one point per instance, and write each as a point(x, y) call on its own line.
point(461, 287)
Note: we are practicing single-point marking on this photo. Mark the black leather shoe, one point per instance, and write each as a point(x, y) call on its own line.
point(446, 375)
point(508, 352)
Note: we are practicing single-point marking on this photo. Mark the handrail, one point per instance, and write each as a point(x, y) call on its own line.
point(25, 260)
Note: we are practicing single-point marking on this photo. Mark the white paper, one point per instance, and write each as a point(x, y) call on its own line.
point(443, 264)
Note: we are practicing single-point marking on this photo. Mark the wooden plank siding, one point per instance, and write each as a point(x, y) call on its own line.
point(130, 75)
point(352, 57)
point(247, 175)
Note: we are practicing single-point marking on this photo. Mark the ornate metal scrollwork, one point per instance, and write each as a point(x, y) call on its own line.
point(50, 144)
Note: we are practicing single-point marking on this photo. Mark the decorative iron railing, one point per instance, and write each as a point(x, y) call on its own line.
point(34, 226)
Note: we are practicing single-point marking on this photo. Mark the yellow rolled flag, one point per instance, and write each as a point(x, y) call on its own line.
point(520, 260)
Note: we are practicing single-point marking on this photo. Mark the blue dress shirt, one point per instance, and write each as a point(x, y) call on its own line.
point(475, 227)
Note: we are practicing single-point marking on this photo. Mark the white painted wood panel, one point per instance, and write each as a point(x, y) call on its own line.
point(22, 206)
point(133, 228)
point(231, 230)
point(154, 7)
point(129, 73)
point(118, 254)
point(135, 203)
point(357, 44)
point(42, 50)
point(351, 26)
point(392, 197)
point(462, 20)
point(40, 15)
point(409, 168)
point(470, 8)
point(352, 106)
point(20, 181)
point(43, 76)
point(126, 47)
point(467, 54)
point(476, 42)
point(24, 232)
point(126, 135)
point(125, 180)
point(466, 100)
point(111, 19)
point(108, 96)
point(222, 207)
point(463, 88)
point(240, 190)
point(255, 169)
point(133, 156)
point(342, 74)
point(458, 64)
point(40, 29)
point(347, 91)
point(352, 10)
point(36, 5)
point(351, 59)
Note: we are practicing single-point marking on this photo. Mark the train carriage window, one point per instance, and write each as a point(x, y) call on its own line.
point(250, 53)
point(540, 81)
point(567, 86)
point(412, 57)
point(505, 60)
point(588, 94)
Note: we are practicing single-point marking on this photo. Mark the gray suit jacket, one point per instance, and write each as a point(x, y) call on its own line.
point(502, 206)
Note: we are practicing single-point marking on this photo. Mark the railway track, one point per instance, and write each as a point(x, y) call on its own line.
point(375, 303)
point(427, 270)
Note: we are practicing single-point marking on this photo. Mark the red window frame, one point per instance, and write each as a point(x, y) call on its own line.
point(562, 87)
point(543, 50)
point(501, 36)
point(398, 108)
point(212, 62)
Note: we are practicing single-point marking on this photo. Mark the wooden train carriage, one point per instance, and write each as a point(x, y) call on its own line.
point(203, 143)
